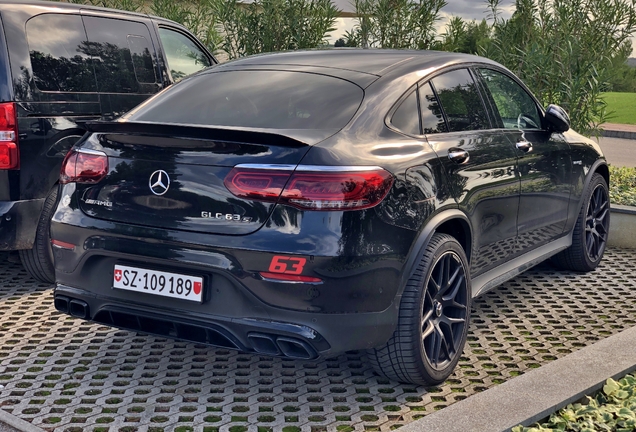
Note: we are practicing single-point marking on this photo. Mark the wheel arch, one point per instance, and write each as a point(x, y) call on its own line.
point(452, 222)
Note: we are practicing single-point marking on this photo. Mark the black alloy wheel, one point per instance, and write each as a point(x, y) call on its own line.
point(433, 318)
point(597, 223)
point(590, 233)
point(445, 313)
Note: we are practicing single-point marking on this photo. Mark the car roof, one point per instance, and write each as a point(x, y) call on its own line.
point(74, 7)
point(376, 62)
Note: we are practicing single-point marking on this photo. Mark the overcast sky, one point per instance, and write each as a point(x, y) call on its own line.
point(467, 9)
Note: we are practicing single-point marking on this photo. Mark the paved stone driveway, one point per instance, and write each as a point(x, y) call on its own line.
point(63, 374)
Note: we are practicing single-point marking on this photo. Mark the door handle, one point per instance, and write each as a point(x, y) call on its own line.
point(524, 146)
point(458, 155)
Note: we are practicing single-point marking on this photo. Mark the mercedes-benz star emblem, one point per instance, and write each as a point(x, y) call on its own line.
point(159, 182)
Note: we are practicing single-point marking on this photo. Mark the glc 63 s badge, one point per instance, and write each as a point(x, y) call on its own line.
point(226, 216)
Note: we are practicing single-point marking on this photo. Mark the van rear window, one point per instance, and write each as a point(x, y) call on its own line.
point(60, 59)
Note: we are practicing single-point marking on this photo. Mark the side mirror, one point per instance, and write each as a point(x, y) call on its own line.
point(558, 120)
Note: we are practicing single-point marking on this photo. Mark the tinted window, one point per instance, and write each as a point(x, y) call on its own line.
point(112, 49)
point(182, 54)
point(461, 101)
point(60, 59)
point(432, 117)
point(260, 99)
point(142, 59)
point(406, 116)
point(516, 108)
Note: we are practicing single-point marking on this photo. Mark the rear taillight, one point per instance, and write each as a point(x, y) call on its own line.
point(84, 166)
point(9, 156)
point(312, 187)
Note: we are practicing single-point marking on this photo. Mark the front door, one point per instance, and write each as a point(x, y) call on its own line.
point(543, 159)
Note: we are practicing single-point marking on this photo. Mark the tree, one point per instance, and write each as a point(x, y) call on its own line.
point(563, 50)
point(400, 24)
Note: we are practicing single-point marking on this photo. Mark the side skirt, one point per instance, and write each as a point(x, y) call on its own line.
point(495, 277)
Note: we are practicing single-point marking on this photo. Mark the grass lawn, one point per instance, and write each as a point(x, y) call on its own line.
point(623, 106)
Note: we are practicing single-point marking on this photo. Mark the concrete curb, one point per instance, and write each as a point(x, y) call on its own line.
point(618, 134)
point(19, 424)
point(537, 394)
point(622, 227)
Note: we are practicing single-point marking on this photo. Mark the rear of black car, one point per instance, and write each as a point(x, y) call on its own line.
point(194, 217)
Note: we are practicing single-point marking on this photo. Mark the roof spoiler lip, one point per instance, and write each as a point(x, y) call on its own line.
point(281, 137)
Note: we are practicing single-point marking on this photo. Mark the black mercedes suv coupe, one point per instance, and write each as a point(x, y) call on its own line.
point(303, 204)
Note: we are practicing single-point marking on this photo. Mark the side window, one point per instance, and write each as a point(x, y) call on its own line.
point(516, 107)
point(122, 55)
point(183, 56)
point(406, 117)
point(60, 60)
point(142, 59)
point(432, 117)
point(461, 101)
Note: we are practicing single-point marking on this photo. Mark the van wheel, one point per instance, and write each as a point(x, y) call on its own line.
point(589, 238)
point(433, 318)
point(38, 261)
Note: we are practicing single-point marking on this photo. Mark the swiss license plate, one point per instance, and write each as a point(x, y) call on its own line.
point(159, 283)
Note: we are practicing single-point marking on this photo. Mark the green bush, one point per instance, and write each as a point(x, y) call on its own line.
point(273, 25)
point(563, 50)
point(613, 409)
point(623, 186)
point(399, 24)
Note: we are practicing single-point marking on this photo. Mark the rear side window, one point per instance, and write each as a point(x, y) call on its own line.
point(432, 117)
point(122, 55)
point(184, 57)
point(461, 102)
point(60, 59)
point(256, 99)
point(406, 117)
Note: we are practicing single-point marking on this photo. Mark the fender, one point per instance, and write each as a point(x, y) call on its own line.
point(588, 178)
point(420, 244)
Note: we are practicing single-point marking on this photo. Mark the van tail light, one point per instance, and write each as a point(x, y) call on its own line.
point(9, 155)
point(312, 187)
point(84, 166)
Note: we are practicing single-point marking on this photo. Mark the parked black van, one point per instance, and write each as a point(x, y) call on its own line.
point(62, 65)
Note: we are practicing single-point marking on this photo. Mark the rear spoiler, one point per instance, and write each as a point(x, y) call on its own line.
point(276, 137)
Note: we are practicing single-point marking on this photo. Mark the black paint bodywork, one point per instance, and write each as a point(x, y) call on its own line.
point(51, 122)
point(363, 257)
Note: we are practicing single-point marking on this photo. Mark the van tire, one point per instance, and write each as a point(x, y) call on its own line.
point(38, 261)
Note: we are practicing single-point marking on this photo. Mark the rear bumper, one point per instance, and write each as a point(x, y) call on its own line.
point(287, 334)
point(18, 223)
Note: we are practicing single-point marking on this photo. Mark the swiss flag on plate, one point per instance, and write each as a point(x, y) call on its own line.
point(117, 275)
point(197, 288)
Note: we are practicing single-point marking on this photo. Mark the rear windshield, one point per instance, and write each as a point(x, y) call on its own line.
point(255, 99)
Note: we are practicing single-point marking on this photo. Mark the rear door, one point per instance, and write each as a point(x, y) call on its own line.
point(544, 161)
point(125, 62)
point(480, 163)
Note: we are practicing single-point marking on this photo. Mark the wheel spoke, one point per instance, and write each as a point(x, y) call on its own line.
point(427, 331)
point(437, 346)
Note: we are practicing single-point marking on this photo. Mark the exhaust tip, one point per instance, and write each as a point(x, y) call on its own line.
point(61, 303)
point(295, 349)
point(263, 344)
point(78, 309)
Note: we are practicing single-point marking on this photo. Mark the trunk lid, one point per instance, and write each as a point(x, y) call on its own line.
point(172, 177)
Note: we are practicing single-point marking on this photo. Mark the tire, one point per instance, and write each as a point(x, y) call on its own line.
point(591, 230)
point(38, 261)
point(415, 354)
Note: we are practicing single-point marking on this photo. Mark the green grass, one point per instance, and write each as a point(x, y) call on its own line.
point(622, 107)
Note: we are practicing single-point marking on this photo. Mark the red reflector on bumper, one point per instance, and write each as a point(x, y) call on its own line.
point(290, 278)
point(63, 245)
